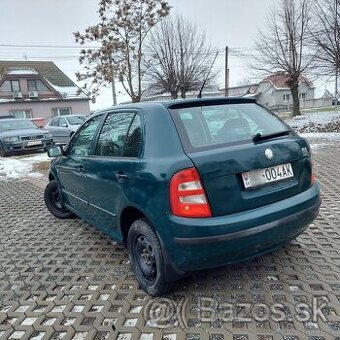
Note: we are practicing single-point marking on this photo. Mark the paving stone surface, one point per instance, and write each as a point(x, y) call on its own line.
point(66, 280)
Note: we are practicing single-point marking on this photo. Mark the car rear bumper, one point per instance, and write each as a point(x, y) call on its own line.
point(206, 243)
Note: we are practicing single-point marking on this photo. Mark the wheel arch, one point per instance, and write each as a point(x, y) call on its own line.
point(127, 217)
point(51, 177)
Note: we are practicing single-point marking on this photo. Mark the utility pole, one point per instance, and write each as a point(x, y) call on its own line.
point(226, 83)
point(337, 56)
point(114, 94)
point(113, 84)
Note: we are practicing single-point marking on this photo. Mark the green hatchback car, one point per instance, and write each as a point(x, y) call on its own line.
point(186, 185)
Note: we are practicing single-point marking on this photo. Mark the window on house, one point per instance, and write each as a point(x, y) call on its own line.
point(303, 96)
point(21, 113)
point(36, 85)
point(64, 111)
point(286, 97)
point(10, 86)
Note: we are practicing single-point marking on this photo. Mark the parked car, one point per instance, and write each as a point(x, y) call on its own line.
point(186, 185)
point(62, 128)
point(18, 134)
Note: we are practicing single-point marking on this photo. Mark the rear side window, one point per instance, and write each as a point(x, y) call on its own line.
point(222, 124)
point(133, 143)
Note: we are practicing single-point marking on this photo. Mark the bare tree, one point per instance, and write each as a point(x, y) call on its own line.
point(326, 37)
point(283, 47)
point(120, 34)
point(180, 58)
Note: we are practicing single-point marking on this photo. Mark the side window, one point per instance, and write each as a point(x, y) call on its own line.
point(81, 144)
point(113, 134)
point(62, 122)
point(133, 143)
point(55, 122)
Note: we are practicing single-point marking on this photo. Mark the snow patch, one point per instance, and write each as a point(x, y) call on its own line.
point(20, 167)
point(316, 122)
point(322, 139)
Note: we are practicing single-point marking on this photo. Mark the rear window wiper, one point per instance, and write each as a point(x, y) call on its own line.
point(259, 137)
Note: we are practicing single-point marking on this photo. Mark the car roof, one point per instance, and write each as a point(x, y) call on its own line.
point(181, 103)
point(66, 116)
point(11, 119)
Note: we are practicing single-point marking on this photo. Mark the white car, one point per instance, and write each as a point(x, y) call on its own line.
point(62, 128)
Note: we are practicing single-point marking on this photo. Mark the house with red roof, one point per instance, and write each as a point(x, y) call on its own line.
point(275, 93)
point(39, 90)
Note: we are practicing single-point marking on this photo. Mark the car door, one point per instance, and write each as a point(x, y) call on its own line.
point(71, 170)
point(64, 130)
point(52, 127)
point(111, 169)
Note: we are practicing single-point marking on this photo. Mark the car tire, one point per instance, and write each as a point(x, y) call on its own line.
point(3, 153)
point(146, 257)
point(54, 203)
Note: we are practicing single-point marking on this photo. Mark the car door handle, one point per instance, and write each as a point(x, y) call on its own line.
point(121, 177)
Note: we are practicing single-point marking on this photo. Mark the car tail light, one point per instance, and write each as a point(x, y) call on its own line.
point(187, 195)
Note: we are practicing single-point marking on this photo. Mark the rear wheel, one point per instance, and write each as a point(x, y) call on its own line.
point(54, 202)
point(146, 258)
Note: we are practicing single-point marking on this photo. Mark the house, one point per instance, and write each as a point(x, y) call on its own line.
point(274, 92)
point(276, 95)
point(39, 90)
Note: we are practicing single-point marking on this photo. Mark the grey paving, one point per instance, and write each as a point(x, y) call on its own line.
point(66, 280)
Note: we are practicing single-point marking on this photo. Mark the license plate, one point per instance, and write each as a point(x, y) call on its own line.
point(258, 177)
point(34, 142)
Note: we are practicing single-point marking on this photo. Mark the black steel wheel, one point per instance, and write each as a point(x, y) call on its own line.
point(147, 259)
point(54, 202)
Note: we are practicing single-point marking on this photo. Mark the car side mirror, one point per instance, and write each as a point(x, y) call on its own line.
point(55, 151)
point(63, 125)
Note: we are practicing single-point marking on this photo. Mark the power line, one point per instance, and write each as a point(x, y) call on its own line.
point(51, 46)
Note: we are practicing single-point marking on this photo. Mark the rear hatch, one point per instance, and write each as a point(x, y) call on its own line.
point(246, 156)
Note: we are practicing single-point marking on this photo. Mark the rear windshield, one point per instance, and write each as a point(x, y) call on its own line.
point(206, 126)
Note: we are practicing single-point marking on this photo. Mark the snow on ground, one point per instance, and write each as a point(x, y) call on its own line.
point(321, 129)
point(322, 139)
point(21, 167)
point(316, 122)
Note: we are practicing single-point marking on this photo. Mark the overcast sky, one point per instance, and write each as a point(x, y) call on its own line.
point(51, 22)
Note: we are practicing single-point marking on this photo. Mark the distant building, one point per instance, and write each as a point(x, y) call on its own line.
point(274, 93)
point(39, 90)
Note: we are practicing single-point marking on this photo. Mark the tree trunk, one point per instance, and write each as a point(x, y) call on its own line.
point(174, 94)
point(135, 99)
point(295, 96)
point(183, 94)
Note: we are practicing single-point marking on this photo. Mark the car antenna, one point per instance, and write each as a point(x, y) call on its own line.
point(208, 74)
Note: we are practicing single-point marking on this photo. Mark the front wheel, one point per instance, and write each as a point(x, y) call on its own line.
point(146, 258)
point(54, 203)
point(3, 153)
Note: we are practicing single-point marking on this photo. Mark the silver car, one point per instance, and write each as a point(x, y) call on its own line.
point(62, 128)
